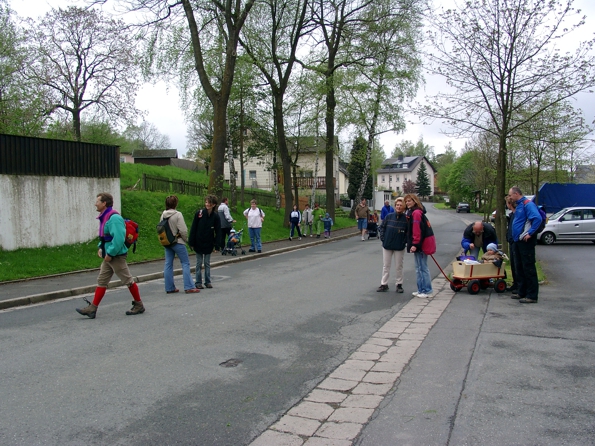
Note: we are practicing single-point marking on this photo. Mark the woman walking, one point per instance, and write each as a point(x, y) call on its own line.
point(178, 228)
point(421, 242)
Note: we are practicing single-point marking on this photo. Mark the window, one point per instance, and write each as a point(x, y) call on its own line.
point(588, 214)
point(383, 179)
point(390, 178)
point(397, 179)
point(122, 159)
point(252, 175)
point(573, 215)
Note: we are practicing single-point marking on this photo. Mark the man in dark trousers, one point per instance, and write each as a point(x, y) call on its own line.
point(393, 233)
point(524, 232)
point(205, 236)
point(478, 235)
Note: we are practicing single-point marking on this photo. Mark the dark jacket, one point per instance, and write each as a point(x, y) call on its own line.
point(393, 231)
point(205, 232)
point(489, 236)
point(510, 219)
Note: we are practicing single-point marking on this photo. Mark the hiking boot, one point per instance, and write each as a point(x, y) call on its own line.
point(208, 285)
point(137, 308)
point(399, 288)
point(90, 310)
point(526, 300)
point(382, 288)
point(199, 286)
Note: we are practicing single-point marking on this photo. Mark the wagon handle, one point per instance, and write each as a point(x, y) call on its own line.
point(441, 270)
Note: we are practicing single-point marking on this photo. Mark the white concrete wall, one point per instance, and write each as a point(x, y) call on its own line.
point(40, 211)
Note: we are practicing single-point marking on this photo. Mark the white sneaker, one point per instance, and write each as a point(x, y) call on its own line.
point(422, 296)
point(415, 294)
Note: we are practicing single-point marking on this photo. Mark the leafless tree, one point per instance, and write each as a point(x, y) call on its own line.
point(498, 56)
point(87, 61)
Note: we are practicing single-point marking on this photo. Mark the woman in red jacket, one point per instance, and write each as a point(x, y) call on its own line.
point(421, 243)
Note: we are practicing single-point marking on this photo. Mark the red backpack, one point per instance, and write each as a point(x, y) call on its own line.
point(131, 232)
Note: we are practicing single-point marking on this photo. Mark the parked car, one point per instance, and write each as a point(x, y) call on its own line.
point(575, 223)
point(463, 207)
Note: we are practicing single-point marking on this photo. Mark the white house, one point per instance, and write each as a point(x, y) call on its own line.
point(395, 171)
point(257, 173)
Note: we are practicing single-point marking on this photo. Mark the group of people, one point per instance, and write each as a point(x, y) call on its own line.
point(406, 227)
point(210, 227)
point(521, 235)
point(309, 221)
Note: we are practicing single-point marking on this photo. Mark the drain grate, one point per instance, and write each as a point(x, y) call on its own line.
point(231, 363)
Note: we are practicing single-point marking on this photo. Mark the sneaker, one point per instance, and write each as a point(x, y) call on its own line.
point(317, 235)
point(310, 235)
point(90, 311)
point(137, 308)
point(399, 288)
point(251, 250)
point(382, 288)
point(299, 238)
point(259, 251)
point(193, 290)
point(208, 285)
point(526, 300)
point(199, 286)
point(422, 296)
point(289, 238)
point(173, 291)
point(415, 293)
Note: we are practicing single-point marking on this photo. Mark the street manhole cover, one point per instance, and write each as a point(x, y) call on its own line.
point(231, 363)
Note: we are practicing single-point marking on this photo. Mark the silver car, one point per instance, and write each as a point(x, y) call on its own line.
point(575, 223)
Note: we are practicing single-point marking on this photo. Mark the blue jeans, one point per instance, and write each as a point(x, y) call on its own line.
point(422, 272)
point(200, 259)
point(293, 227)
point(168, 271)
point(255, 238)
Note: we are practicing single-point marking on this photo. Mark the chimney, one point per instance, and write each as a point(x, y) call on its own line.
point(400, 158)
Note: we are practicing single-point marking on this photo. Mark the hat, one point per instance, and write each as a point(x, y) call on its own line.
point(493, 247)
point(233, 230)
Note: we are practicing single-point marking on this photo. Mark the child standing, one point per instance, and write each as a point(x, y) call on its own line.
point(328, 222)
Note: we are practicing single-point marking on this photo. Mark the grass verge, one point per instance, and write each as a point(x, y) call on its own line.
point(145, 208)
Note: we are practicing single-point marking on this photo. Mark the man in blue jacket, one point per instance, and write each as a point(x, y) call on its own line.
point(524, 233)
point(478, 235)
point(386, 209)
point(393, 233)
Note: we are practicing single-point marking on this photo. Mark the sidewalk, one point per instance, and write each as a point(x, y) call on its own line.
point(32, 291)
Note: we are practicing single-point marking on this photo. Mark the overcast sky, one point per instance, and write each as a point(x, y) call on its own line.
point(161, 102)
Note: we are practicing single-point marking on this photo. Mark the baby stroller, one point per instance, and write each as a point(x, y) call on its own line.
point(372, 229)
point(234, 242)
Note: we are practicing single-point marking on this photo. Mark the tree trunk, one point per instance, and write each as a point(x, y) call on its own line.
point(331, 104)
point(285, 158)
point(232, 169)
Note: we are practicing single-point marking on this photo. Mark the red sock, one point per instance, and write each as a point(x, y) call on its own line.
point(99, 293)
point(135, 292)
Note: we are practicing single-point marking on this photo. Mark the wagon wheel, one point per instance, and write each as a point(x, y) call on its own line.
point(473, 286)
point(456, 285)
point(500, 286)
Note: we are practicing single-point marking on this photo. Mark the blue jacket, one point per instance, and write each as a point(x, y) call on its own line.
point(522, 214)
point(489, 236)
point(385, 211)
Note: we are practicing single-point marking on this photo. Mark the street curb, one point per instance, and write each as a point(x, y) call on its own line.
point(63, 294)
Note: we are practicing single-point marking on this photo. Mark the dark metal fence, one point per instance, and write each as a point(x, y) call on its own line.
point(23, 155)
point(160, 184)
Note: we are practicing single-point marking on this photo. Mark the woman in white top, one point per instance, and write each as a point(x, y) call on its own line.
point(255, 218)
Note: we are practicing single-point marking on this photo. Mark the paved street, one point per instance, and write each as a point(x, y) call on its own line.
point(232, 365)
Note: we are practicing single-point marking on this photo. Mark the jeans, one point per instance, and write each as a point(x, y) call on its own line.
point(474, 252)
point(200, 259)
point(255, 238)
point(422, 272)
point(168, 271)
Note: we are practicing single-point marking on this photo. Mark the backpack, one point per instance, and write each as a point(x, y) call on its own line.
point(164, 234)
point(543, 216)
point(131, 232)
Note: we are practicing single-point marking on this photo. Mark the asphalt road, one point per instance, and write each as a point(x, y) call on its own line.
point(283, 322)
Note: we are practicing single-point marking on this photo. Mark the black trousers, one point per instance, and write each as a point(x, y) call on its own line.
point(528, 285)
